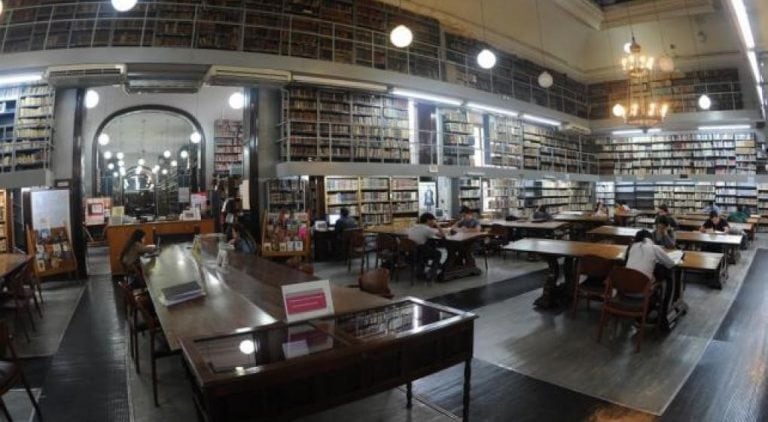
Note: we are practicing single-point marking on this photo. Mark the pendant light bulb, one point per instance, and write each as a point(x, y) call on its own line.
point(91, 99)
point(666, 63)
point(141, 161)
point(195, 137)
point(618, 110)
point(401, 36)
point(107, 155)
point(1, 7)
point(546, 80)
point(103, 139)
point(237, 100)
point(705, 102)
point(123, 5)
point(120, 155)
point(486, 59)
point(111, 166)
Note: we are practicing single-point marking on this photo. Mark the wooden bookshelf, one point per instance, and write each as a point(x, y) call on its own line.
point(287, 193)
point(6, 222)
point(551, 150)
point(375, 203)
point(502, 196)
point(228, 146)
point(470, 193)
point(460, 141)
point(693, 153)
point(505, 142)
point(373, 200)
point(605, 192)
point(728, 196)
point(558, 195)
point(683, 197)
point(405, 197)
point(342, 192)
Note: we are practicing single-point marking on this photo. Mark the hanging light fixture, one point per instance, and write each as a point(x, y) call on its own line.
point(167, 154)
point(174, 163)
point(705, 102)
point(237, 100)
point(184, 153)
point(141, 161)
point(545, 78)
point(115, 174)
point(485, 58)
point(103, 139)
point(165, 172)
point(123, 5)
point(666, 63)
point(195, 137)
point(91, 99)
point(636, 64)
point(107, 155)
point(111, 166)
point(401, 36)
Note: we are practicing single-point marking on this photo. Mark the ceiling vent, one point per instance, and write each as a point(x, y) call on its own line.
point(245, 76)
point(85, 75)
point(161, 86)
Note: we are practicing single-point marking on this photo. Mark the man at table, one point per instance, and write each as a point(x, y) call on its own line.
point(663, 211)
point(541, 214)
point(427, 254)
point(740, 216)
point(467, 222)
point(650, 259)
point(715, 223)
point(621, 213)
point(664, 236)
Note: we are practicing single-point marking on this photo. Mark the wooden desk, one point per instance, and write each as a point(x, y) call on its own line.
point(460, 262)
point(581, 223)
point(397, 231)
point(527, 224)
point(11, 262)
point(244, 302)
point(696, 224)
point(118, 235)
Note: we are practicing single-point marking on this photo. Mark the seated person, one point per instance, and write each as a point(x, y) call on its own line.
point(664, 236)
point(345, 221)
point(711, 207)
point(740, 216)
point(663, 211)
point(600, 209)
point(427, 254)
point(649, 259)
point(467, 221)
point(130, 257)
point(621, 213)
point(242, 240)
point(542, 214)
point(715, 223)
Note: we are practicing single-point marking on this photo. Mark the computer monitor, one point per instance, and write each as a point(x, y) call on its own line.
point(439, 213)
point(332, 218)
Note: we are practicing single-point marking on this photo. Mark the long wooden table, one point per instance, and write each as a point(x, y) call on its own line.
point(580, 224)
point(554, 294)
point(11, 262)
point(527, 224)
point(243, 301)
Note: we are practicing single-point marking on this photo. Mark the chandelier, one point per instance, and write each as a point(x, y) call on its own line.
point(636, 64)
point(641, 108)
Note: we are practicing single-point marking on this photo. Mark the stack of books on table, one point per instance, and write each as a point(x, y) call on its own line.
point(181, 293)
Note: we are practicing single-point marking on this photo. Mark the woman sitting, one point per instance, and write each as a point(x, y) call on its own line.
point(130, 257)
point(242, 240)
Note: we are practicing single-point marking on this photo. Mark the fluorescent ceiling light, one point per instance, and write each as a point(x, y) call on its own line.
point(725, 127)
point(339, 82)
point(635, 131)
point(20, 78)
point(426, 97)
point(542, 120)
point(742, 18)
point(493, 109)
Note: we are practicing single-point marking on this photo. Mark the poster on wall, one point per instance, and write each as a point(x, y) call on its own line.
point(96, 210)
point(50, 208)
point(427, 197)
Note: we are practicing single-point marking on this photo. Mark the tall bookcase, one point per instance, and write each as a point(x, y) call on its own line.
point(405, 198)
point(551, 150)
point(459, 128)
point(505, 146)
point(287, 193)
point(605, 192)
point(375, 205)
point(6, 222)
point(470, 193)
point(322, 124)
point(341, 192)
point(374, 200)
point(502, 196)
point(228, 146)
point(558, 195)
point(728, 196)
point(683, 197)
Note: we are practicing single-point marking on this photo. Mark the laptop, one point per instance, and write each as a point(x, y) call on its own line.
point(156, 252)
point(332, 219)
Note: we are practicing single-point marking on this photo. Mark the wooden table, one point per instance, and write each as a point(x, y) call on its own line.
point(748, 228)
point(703, 217)
point(397, 231)
point(244, 300)
point(460, 262)
point(11, 262)
point(581, 223)
point(529, 228)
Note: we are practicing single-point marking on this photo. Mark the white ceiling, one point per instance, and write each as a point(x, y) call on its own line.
point(146, 134)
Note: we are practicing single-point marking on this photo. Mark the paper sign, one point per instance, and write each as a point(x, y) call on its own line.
point(294, 349)
point(303, 301)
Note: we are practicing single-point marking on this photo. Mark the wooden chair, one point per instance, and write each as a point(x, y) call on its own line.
point(158, 347)
point(18, 297)
point(10, 371)
point(387, 250)
point(498, 236)
point(627, 294)
point(135, 325)
point(375, 282)
point(596, 270)
point(409, 255)
point(356, 247)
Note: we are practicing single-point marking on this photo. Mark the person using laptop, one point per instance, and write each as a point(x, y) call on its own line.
point(345, 221)
point(130, 257)
point(242, 240)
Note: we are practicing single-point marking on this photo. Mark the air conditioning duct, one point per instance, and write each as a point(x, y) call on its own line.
point(245, 76)
point(85, 75)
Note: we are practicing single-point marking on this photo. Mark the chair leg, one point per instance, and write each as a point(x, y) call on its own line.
point(603, 319)
point(576, 298)
point(19, 323)
point(5, 410)
point(640, 333)
point(154, 366)
point(135, 342)
point(31, 397)
point(37, 305)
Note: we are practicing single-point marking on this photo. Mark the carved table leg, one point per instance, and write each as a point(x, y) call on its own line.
point(547, 298)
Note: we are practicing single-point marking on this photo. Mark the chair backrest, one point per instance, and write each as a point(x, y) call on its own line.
point(22, 277)
point(407, 246)
point(353, 238)
point(307, 268)
point(385, 242)
point(375, 282)
point(628, 281)
point(144, 306)
point(595, 266)
point(497, 230)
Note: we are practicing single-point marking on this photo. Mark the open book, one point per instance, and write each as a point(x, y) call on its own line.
point(181, 293)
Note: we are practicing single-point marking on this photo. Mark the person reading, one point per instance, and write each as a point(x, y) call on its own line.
point(467, 221)
point(541, 214)
point(711, 207)
point(428, 256)
point(650, 259)
point(740, 216)
point(130, 257)
point(663, 211)
point(664, 236)
point(600, 209)
point(345, 221)
point(715, 224)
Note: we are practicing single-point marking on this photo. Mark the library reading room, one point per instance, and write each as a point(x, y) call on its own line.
point(383, 210)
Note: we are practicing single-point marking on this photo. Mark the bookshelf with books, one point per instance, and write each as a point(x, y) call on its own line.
point(502, 196)
point(683, 197)
point(6, 222)
point(342, 192)
point(228, 146)
point(688, 153)
point(375, 205)
point(33, 128)
point(405, 197)
point(505, 142)
point(336, 125)
point(605, 193)
point(558, 195)
point(762, 199)
point(470, 193)
point(460, 129)
point(287, 193)
point(551, 150)
point(728, 196)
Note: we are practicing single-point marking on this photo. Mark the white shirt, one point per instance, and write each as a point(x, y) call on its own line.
point(421, 233)
point(644, 256)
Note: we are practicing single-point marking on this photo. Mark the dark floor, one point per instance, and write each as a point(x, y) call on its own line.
point(86, 379)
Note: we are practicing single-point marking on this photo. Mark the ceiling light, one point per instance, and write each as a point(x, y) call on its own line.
point(636, 64)
point(195, 137)
point(141, 161)
point(184, 153)
point(167, 154)
point(138, 170)
point(486, 59)
point(742, 18)
point(121, 163)
point(339, 82)
point(618, 110)
point(107, 155)
point(237, 100)
point(247, 347)
point(20, 78)
point(103, 139)
point(634, 131)
point(628, 47)
point(490, 109)
point(115, 174)
point(91, 99)
point(111, 166)
point(401, 36)
point(165, 171)
point(122, 171)
point(705, 102)
point(426, 97)
point(123, 5)
point(155, 169)
point(725, 127)
point(174, 163)
point(1, 7)
point(120, 155)
point(542, 120)
point(546, 80)
point(666, 63)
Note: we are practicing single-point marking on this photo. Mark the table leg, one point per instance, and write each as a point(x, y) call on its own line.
point(409, 394)
point(460, 262)
point(547, 299)
point(467, 377)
